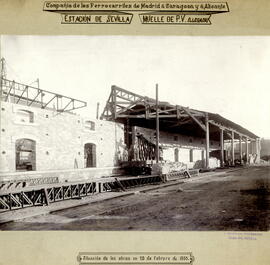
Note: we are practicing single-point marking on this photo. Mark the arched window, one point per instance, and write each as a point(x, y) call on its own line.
point(25, 154)
point(25, 116)
point(90, 155)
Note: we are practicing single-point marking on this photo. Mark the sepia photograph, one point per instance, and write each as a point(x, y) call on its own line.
point(134, 133)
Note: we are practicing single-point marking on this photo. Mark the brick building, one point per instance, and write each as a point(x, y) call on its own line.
point(41, 135)
point(55, 140)
point(40, 132)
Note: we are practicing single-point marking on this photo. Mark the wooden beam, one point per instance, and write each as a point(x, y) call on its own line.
point(167, 110)
point(114, 114)
point(195, 119)
point(129, 107)
point(177, 112)
point(228, 129)
point(153, 115)
point(247, 151)
point(119, 89)
point(126, 98)
point(123, 102)
point(240, 148)
point(106, 108)
point(179, 123)
point(221, 148)
point(227, 133)
point(141, 116)
point(146, 111)
point(232, 148)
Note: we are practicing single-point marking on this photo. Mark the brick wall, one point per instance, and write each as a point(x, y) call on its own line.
point(190, 149)
point(59, 137)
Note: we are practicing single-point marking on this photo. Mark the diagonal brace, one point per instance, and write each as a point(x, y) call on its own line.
point(203, 127)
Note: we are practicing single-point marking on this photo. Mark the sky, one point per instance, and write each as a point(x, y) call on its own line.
point(225, 75)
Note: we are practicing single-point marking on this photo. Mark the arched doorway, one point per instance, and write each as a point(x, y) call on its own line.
point(25, 154)
point(90, 155)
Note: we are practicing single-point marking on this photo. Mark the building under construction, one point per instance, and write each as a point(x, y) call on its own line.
point(49, 153)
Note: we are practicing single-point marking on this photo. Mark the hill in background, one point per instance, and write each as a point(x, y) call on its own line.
point(265, 149)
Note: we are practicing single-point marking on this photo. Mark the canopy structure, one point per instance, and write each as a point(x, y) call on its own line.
point(135, 110)
point(124, 105)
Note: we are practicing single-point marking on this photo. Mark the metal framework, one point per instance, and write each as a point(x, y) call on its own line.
point(37, 196)
point(127, 183)
point(22, 183)
point(32, 96)
point(146, 149)
point(181, 174)
point(123, 104)
point(136, 110)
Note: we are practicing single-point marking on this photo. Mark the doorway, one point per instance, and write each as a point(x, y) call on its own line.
point(90, 155)
point(25, 154)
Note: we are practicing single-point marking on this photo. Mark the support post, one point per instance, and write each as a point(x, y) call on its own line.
point(202, 155)
point(113, 102)
point(97, 115)
point(240, 149)
point(134, 150)
point(157, 126)
point(128, 138)
point(247, 154)
point(221, 147)
point(206, 141)
point(191, 155)
point(232, 148)
point(127, 130)
point(258, 150)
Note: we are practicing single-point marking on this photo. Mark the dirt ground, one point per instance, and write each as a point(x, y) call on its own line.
point(239, 200)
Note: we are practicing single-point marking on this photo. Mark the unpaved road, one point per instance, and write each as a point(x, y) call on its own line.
point(239, 200)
